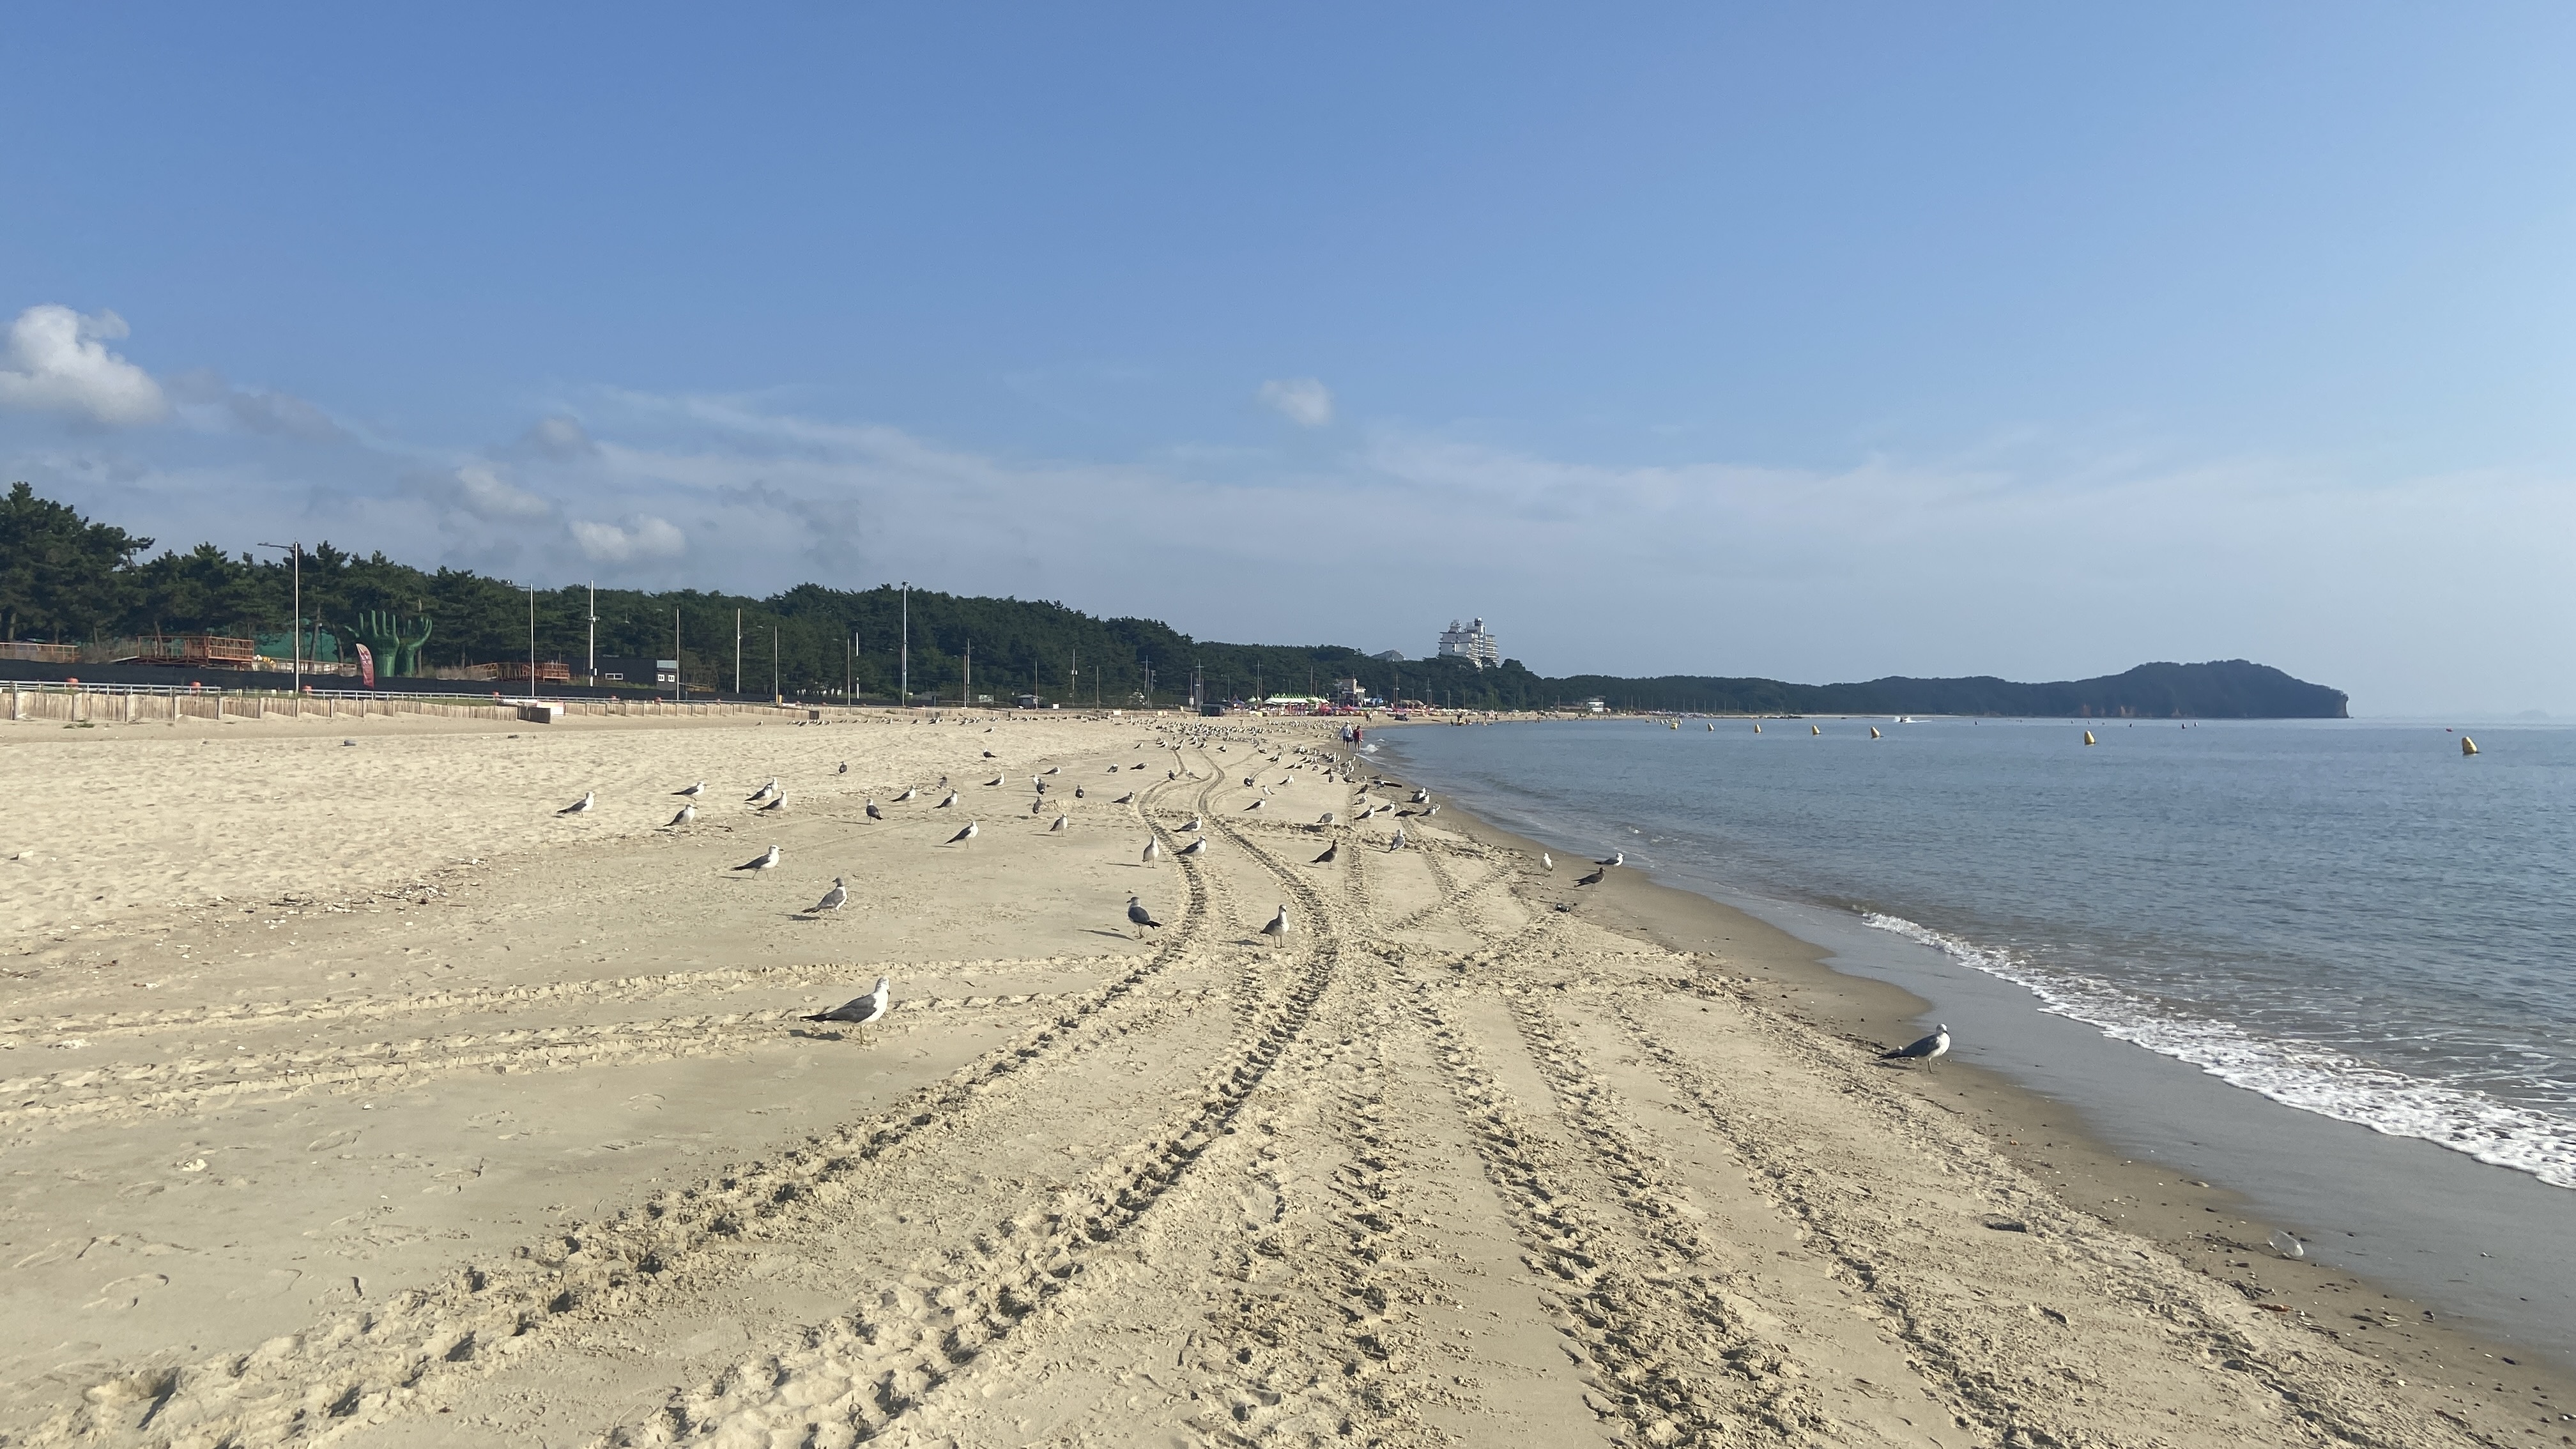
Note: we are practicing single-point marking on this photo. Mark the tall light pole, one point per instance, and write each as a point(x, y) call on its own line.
point(907, 645)
point(296, 551)
point(773, 661)
point(532, 643)
point(737, 651)
point(594, 634)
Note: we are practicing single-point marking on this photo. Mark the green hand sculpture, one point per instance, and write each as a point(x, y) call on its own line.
point(408, 662)
point(396, 653)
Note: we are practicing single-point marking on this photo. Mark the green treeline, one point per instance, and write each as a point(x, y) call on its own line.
point(67, 579)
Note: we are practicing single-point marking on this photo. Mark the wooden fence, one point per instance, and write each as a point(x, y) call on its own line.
point(119, 704)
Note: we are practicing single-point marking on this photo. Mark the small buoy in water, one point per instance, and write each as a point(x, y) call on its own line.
point(1757, 729)
point(2468, 746)
point(1815, 729)
point(1874, 734)
point(2088, 738)
point(2287, 1245)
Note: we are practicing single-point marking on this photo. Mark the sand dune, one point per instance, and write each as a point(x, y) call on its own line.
point(352, 1094)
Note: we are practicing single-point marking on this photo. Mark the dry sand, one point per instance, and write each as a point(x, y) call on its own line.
point(353, 1094)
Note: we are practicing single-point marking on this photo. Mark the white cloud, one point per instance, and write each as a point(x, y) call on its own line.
point(487, 494)
point(560, 438)
point(58, 362)
point(1302, 400)
point(208, 399)
point(646, 538)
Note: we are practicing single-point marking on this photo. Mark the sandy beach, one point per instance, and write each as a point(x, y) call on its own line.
point(353, 1094)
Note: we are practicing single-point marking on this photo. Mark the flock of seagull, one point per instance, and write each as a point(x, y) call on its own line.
point(868, 1009)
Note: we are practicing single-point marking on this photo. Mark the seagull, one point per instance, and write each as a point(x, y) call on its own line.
point(1421, 797)
point(1257, 804)
point(776, 802)
point(1617, 857)
point(1398, 842)
point(833, 899)
point(944, 804)
point(1434, 810)
point(1195, 847)
point(1123, 799)
point(845, 768)
point(1247, 782)
point(1153, 850)
point(858, 1011)
point(762, 862)
point(697, 789)
point(1059, 822)
point(873, 812)
point(687, 814)
point(580, 805)
point(967, 834)
point(1041, 787)
point(1195, 823)
point(988, 754)
point(1329, 852)
point(1595, 877)
point(1327, 820)
point(908, 793)
point(756, 796)
point(1937, 1044)
point(1138, 916)
point(1546, 861)
point(1038, 806)
point(1077, 792)
point(997, 780)
point(1055, 769)
point(1277, 930)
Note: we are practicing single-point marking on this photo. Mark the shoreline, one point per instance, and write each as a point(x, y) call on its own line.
point(2201, 1223)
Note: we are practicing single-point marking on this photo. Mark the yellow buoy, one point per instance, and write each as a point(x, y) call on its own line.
point(1874, 734)
point(2088, 738)
point(2468, 746)
point(1815, 729)
point(1757, 729)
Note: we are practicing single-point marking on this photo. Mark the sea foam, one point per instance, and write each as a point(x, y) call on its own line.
point(2304, 1075)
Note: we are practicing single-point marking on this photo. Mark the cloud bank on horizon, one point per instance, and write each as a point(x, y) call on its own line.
point(1700, 340)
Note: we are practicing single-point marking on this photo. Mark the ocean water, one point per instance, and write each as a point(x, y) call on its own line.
point(2348, 918)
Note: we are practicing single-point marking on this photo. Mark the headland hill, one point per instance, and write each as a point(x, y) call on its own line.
point(88, 591)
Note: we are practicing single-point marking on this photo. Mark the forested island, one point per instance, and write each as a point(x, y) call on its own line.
point(65, 578)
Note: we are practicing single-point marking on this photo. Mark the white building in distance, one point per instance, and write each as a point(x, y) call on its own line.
point(1472, 644)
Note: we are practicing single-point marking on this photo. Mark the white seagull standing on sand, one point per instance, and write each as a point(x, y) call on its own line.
point(951, 799)
point(1195, 847)
point(699, 788)
point(1153, 850)
point(687, 814)
point(1059, 822)
point(835, 898)
point(908, 793)
point(859, 1011)
point(1935, 1045)
point(1140, 917)
point(1195, 823)
point(873, 812)
point(580, 805)
point(763, 793)
point(776, 802)
point(1617, 857)
point(1546, 861)
point(1277, 930)
point(967, 834)
point(1398, 842)
point(761, 862)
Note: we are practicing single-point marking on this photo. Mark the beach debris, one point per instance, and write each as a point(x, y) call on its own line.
point(860, 1010)
point(2286, 1243)
point(967, 834)
point(1924, 1049)
point(768, 861)
point(579, 806)
point(687, 814)
point(693, 791)
point(833, 899)
point(1140, 917)
point(352, 742)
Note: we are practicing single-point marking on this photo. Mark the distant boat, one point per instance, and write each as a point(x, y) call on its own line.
point(2468, 746)
point(2088, 738)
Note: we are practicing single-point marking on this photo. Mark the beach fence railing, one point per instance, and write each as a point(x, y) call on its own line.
point(73, 703)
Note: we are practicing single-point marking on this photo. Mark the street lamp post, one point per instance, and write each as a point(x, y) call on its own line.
point(295, 551)
point(907, 644)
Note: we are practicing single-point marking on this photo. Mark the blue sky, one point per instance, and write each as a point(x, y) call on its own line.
point(1818, 342)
